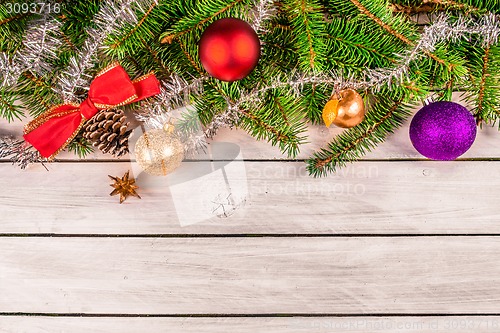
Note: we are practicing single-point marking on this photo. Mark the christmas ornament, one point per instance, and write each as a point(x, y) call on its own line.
point(55, 129)
point(124, 186)
point(345, 109)
point(443, 130)
point(108, 131)
point(159, 152)
point(229, 49)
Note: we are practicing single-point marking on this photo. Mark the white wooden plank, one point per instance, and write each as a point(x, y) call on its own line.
point(367, 197)
point(397, 146)
point(250, 275)
point(250, 325)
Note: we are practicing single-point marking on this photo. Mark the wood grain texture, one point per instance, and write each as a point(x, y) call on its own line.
point(404, 275)
point(251, 325)
point(366, 197)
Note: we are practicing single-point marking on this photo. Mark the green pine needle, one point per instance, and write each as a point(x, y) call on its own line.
point(80, 147)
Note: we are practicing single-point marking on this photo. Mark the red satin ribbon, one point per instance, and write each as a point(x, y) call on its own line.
point(55, 129)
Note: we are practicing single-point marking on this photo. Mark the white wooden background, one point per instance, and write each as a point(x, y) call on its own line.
point(393, 243)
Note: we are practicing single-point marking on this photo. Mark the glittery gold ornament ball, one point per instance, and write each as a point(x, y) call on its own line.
point(159, 152)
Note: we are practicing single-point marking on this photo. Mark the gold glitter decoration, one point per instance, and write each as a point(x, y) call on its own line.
point(124, 186)
point(110, 106)
point(159, 152)
point(108, 68)
point(144, 77)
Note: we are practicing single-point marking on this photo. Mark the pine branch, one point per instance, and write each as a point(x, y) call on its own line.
point(277, 117)
point(36, 93)
point(314, 97)
point(68, 42)
point(308, 26)
point(381, 23)
point(13, 18)
point(278, 120)
point(278, 52)
point(394, 32)
point(484, 79)
point(156, 57)
point(8, 108)
point(12, 28)
point(191, 60)
point(383, 119)
point(203, 12)
point(80, 147)
point(371, 51)
point(482, 84)
point(466, 6)
point(134, 29)
point(362, 47)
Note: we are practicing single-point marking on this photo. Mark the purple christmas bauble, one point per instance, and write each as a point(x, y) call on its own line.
point(443, 130)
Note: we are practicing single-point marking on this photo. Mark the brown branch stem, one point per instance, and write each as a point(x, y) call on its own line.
point(132, 31)
point(12, 18)
point(393, 32)
point(482, 84)
point(430, 6)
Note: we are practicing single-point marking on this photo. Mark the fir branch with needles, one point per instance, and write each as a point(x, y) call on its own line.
point(308, 26)
point(483, 88)
point(199, 15)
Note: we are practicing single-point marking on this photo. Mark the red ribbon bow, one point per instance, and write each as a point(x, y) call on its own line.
point(51, 132)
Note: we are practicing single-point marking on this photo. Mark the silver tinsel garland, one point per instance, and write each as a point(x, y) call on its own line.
point(39, 49)
point(263, 11)
point(112, 15)
point(19, 152)
point(174, 94)
point(40, 45)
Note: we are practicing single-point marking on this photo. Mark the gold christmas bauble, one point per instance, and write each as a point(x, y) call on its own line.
point(159, 152)
point(350, 109)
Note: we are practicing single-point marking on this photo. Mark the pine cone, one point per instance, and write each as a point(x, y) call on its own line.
point(108, 132)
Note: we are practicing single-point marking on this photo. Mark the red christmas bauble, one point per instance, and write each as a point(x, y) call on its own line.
point(229, 49)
